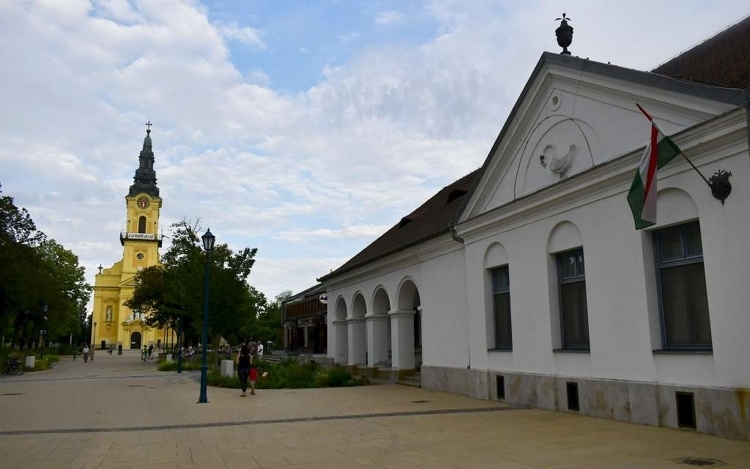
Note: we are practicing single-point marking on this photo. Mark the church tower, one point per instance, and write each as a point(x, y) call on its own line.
point(114, 323)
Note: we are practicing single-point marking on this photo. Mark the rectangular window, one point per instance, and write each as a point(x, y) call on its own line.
point(501, 307)
point(682, 288)
point(573, 311)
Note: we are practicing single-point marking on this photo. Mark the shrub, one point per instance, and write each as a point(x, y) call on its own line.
point(186, 365)
point(338, 377)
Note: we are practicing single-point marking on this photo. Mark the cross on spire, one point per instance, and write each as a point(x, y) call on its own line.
point(148, 126)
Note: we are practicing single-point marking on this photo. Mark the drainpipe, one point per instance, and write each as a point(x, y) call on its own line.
point(457, 238)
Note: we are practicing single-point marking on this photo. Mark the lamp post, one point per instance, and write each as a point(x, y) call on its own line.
point(43, 331)
point(208, 244)
point(179, 349)
point(93, 337)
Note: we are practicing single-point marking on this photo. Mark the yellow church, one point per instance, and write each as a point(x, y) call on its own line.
point(113, 323)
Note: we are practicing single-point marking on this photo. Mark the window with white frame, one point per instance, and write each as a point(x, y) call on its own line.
point(683, 302)
point(574, 321)
point(501, 307)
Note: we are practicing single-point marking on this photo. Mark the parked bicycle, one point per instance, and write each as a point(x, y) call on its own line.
point(14, 366)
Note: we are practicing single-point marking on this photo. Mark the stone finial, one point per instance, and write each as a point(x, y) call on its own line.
point(564, 34)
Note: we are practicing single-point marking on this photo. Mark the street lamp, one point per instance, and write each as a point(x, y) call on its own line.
point(179, 348)
point(93, 338)
point(208, 244)
point(43, 332)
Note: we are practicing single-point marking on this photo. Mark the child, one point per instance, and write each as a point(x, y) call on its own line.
point(253, 377)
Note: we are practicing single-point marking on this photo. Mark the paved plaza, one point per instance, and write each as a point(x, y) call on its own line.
point(119, 412)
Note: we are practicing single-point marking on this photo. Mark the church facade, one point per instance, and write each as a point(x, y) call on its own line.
point(113, 323)
point(526, 281)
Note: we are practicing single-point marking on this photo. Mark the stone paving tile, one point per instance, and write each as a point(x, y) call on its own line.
point(155, 423)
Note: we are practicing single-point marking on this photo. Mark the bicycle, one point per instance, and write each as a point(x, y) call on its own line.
point(14, 366)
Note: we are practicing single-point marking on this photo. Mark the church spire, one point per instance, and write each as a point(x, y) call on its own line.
point(145, 176)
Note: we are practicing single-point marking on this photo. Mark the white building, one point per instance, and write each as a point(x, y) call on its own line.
point(526, 280)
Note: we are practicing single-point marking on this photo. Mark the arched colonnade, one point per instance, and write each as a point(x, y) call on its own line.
point(379, 332)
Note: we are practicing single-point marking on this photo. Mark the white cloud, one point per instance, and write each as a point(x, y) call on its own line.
point(242, 34)
point(361, 232)
point(323, 171)
point(389, 17)
point(350, 37)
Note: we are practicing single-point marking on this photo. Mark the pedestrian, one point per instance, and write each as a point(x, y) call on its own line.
point(91, 353)
point(144, 353)
point(85, 353)
point(253, 376)
point(259, 350)
point(75, 351)
point(119, 349)
point(150, 350)
point(111, 349)
point(243, 367)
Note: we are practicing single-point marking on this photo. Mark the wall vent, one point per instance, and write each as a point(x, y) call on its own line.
point(685, 409)
point(572, 389)
point(500, 387)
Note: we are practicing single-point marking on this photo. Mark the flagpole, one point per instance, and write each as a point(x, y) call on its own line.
point(719, 182)
point(653, 122)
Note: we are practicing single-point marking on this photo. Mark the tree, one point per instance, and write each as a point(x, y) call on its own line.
point(36, 272)
point(175, 289)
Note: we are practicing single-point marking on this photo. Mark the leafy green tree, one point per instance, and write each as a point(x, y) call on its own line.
point(175, 289)
point(36, 272)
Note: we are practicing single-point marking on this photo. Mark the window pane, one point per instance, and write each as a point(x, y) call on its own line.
point(685, 304)
point(579, 260)
point(671, 245)
point(568, 265)
point(500, 279)
point(503, 331)
point(693, 239)
point(574, 315)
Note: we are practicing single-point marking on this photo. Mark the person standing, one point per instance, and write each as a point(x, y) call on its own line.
point(119, 349)
point(260, 350)
point(253, 376)
point(150, 350)
point(86, 353)
point(144, 353)
point(243, 368)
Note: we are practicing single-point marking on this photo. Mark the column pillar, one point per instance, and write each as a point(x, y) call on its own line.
point(402, 336)
point(341, 339)
point(357, 341)
point(377, 339)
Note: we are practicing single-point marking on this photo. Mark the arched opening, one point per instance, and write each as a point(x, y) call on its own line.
point(357, 331)
point(142, 224)
point(407, 327)
point(341, 333)
point(135, 340)
point(379, 330)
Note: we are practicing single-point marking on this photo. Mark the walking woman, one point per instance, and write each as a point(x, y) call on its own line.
point(243, 367)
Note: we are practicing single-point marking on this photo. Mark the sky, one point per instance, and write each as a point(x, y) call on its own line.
point(305, 129)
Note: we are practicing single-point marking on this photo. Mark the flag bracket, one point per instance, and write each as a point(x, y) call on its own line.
point(720, 185)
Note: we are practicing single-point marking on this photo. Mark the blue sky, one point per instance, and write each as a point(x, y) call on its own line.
point(303, 128)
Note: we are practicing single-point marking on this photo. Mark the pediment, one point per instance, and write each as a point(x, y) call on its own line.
point(574, 115)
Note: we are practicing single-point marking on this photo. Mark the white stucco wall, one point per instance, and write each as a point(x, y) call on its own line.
point(437, 269)
point(623, 309)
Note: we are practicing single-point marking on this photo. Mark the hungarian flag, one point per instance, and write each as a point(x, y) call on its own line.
point(642, 195)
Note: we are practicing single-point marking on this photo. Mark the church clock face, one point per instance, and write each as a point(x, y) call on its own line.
point(143, 202)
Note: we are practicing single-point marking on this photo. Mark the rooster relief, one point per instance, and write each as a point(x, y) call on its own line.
point(557, 165)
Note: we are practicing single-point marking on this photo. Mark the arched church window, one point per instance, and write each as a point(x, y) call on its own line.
point(142, 224)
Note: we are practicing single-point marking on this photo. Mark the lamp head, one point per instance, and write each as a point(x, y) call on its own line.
point(208, 240)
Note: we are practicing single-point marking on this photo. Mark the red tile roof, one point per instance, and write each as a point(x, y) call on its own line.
point(722, 60)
